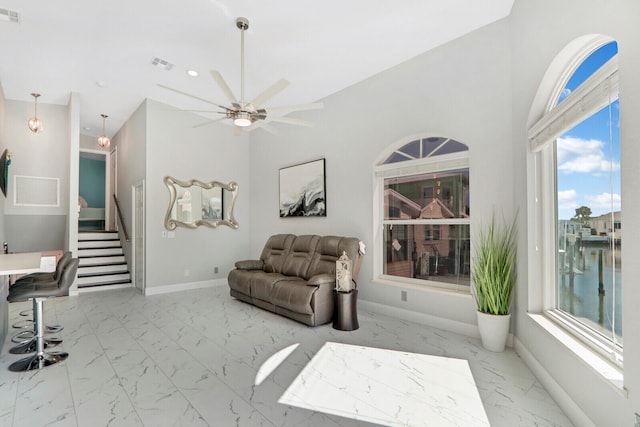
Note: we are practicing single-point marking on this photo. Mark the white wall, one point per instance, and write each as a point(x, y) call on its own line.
point(44, 154)
point(207, 153)
point(131, 142)
point(461, 90)
point(540, 30)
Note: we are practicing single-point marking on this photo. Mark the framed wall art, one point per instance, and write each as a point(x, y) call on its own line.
point(303, 190)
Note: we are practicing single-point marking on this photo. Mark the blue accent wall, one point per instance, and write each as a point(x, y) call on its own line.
point(92, 181)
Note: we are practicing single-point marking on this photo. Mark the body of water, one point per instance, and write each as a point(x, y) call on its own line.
point(584, 300)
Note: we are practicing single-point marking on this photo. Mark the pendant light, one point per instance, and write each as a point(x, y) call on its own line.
point(35, 124)
point(103, 140)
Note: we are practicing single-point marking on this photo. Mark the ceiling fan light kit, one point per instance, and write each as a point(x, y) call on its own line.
point(244, 114)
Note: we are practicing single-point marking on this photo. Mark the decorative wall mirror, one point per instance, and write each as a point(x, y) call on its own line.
point(194, 203)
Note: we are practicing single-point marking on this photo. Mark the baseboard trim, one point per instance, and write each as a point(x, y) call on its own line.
point(166, 289)
point(564, 401)
point(422, 318)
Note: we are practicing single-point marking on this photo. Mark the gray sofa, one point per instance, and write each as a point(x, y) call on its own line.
point(295, 276)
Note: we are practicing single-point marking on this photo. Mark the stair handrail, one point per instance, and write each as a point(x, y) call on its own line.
point(124, 227)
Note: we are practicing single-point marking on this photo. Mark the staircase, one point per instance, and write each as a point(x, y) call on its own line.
point(102, 261)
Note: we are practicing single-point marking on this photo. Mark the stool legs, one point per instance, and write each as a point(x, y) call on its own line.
point(25, 337)
point(40, 359)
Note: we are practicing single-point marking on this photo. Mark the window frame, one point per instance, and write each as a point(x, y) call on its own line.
point(427, 164)
point(596, 92)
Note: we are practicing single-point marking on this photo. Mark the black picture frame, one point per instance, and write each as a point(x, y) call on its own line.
point(303, 190)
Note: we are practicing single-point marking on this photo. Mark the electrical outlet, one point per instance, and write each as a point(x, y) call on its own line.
point(164, 234)
point(403, 295)
point(215, 270)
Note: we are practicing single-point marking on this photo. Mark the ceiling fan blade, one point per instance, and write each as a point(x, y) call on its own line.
point(302, 107)
point(192, 96)
point(272, 130)
point(224, 86)
point(202, 111)
point(208, 122)
point(270, 92)
point(290, 121)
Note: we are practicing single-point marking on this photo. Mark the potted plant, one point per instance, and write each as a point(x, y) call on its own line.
point(494, 277)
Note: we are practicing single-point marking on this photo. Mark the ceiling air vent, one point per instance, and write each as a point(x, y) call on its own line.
point(162, 64)
point(9, 16)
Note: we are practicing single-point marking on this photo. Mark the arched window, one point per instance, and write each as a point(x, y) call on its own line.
point(423, 209)
point(579, 142)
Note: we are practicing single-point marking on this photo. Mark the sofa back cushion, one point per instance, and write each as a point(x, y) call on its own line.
point(275, 251)
point(329, 249)
point(300, 256)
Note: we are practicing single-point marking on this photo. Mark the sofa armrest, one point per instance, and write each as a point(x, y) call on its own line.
point(251, 264)
point(323, 281)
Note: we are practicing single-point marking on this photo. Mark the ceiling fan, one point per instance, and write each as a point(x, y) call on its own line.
point(245, 114)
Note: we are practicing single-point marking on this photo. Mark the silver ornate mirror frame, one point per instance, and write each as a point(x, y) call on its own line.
point(229, 193)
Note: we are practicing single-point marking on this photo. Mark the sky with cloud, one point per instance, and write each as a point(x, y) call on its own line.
point(588, 156)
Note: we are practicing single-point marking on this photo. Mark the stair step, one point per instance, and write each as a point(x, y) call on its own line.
point(111, 243)
point(101, 260)
point(102, 269)
point(97, 235)
point(102, 279)
point(115, 282)
point(91, 252)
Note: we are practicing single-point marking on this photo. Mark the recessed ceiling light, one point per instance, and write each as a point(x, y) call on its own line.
point(193, 73)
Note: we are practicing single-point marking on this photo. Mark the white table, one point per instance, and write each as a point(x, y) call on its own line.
point(18, 263)
point(392, 388)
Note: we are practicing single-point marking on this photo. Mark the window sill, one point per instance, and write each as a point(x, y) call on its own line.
point(599, 364)
point(428, 286)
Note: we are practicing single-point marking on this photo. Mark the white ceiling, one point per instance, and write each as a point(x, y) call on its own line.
point(103, 50)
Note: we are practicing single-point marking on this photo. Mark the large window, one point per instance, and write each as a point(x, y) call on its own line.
point(424, 202)
point(579, 141)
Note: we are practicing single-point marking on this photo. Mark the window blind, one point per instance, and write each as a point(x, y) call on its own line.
point(592, 95)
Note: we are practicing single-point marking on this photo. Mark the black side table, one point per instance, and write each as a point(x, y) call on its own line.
point(345, 314)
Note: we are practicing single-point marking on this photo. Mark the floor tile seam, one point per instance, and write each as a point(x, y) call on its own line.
point(73, 400)
point(197, 332)
point(248, 402)
point(115, 371)
point(123, 389)
point(160, 368)
point(222, 380)
point(194, 358)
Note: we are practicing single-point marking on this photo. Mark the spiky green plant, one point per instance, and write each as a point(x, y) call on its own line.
point(494, 269)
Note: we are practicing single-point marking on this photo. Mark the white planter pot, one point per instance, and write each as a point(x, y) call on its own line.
point(493, 330)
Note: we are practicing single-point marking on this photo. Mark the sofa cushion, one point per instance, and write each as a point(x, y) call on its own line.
point(293, 295)
point(275, 251)
point(300, 255)
point(329, 249)
point(262, 283)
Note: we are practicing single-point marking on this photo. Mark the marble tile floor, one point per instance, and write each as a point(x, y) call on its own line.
point(190, 359)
